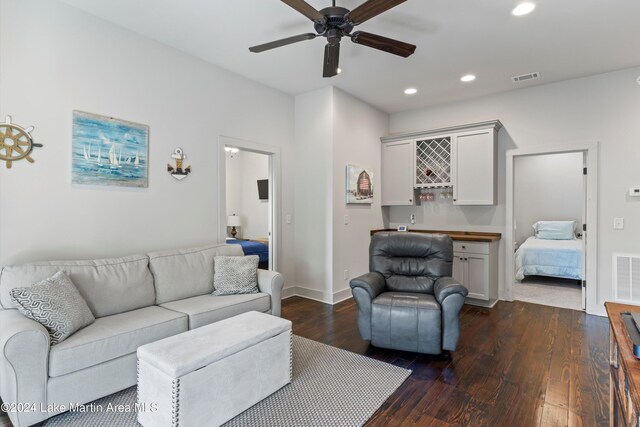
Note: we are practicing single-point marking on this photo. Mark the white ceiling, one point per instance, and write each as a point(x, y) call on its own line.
point(560, 39)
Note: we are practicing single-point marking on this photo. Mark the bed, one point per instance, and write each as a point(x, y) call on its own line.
point(553, 258)
point(250, 247)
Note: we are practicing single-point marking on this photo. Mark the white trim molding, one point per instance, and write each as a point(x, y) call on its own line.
point(591, 150)
point(274, 190)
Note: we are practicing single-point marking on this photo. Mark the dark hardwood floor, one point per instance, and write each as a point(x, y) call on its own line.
point(517, 364)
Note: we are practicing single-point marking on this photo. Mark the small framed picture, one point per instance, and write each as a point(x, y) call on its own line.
point(402, 228)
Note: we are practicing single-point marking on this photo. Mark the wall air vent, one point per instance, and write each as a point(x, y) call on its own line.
point(525, 77)
point(626, 277)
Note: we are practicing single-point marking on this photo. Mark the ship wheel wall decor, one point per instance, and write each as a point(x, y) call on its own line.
point(16, 142)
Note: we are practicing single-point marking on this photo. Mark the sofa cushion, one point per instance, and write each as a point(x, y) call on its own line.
point(109, 286)
point(56, 304)
point(206, 309)
point(114, 336)
point(185, 273)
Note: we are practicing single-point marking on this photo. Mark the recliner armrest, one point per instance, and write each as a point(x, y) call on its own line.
point(271, 282)
point(371, 282)
point(445, 286)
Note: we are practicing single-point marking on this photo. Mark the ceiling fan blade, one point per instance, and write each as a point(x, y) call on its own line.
point(388, 45)
point(369, 9)
point(282, 42)
point(306, 9)
point(331, 60)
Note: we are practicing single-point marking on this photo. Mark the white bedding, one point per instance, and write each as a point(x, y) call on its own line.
point(555, 258)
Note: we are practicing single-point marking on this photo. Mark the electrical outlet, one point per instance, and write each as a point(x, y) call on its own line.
point(412, 218)
point(618, 223)
point(346, 220)
point(288, 218)
point(346, 275)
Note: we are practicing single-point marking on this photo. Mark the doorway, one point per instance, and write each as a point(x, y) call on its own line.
point(551, 226)
point(549, 201)
point(248, 183)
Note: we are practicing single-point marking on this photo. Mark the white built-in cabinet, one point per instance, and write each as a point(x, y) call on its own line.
point(475, 266)
point(397, 188)
point(462, 158)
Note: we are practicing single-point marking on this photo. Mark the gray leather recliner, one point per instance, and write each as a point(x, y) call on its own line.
point(408, 300)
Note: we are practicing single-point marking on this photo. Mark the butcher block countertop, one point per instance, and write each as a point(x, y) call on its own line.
point(466, 236)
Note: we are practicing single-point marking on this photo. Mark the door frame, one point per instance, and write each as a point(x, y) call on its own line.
point(591, 260)
point(274, 190)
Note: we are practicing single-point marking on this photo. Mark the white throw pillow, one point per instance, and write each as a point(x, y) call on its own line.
point(235, 275)
point(56, 304)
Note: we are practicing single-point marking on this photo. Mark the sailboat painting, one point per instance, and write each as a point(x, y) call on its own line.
point(108, 151)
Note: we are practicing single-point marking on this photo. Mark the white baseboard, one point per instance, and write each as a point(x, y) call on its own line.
point(289, 292)
point(316, 295)
point(342, 295)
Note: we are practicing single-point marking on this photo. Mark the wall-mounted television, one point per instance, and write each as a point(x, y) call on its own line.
point(263, 189)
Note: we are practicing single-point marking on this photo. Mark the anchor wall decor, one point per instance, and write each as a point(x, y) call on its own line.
point(179, 172)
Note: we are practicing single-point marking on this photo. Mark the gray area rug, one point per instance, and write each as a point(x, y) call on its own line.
point(330, 388)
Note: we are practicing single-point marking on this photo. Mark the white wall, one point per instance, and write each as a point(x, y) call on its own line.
point(333, 129)
point(55, 59)
point(357, 129)
point(313, 199)
point(243, 169)
point(601, 108)
point(547, 187)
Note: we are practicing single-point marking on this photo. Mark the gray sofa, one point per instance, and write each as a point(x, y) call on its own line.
point(136, 300)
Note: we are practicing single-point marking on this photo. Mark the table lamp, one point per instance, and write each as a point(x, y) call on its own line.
point(233, 221)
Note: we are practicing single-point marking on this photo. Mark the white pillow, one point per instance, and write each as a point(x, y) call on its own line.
point(555, 230)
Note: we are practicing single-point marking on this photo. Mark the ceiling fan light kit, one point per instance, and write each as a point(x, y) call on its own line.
point(336, 22)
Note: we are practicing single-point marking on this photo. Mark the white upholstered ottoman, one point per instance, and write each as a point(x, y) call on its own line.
point(206, 376)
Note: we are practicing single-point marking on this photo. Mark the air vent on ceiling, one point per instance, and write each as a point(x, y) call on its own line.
point(525, 77)
point(626, 276)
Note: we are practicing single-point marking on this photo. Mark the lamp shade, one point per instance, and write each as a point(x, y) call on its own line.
point(233, 221)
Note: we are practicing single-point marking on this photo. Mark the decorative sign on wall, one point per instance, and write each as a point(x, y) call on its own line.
point(16, 142)
point(108, 151)
point(359, 184)
point(180, 171)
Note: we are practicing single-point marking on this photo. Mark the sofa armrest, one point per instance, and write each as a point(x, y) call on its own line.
point(445, 286)
point(271, 282)
point(371, 282)
point(24, 355)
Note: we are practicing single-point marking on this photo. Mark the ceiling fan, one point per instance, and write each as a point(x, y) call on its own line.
point(336, 22)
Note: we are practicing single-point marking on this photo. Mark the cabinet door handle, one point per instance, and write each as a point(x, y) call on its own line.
point(411, 200)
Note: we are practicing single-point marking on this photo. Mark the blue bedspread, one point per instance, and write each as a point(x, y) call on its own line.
point(555, 258)
point(252, 248)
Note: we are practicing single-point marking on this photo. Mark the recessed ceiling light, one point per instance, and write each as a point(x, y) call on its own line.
point(467, 78)
point(523, 8)
point(339, 70)
point(411, 91)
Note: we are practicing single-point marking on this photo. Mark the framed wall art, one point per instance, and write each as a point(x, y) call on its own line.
point(359, 184)
point(109, 152)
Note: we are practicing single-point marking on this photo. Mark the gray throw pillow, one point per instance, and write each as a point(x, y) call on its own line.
point(56, 304)
point(235, 275)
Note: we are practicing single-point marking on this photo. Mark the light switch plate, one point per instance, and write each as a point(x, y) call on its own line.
point(618, 223)
point(346, 220)
point(288, 218)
